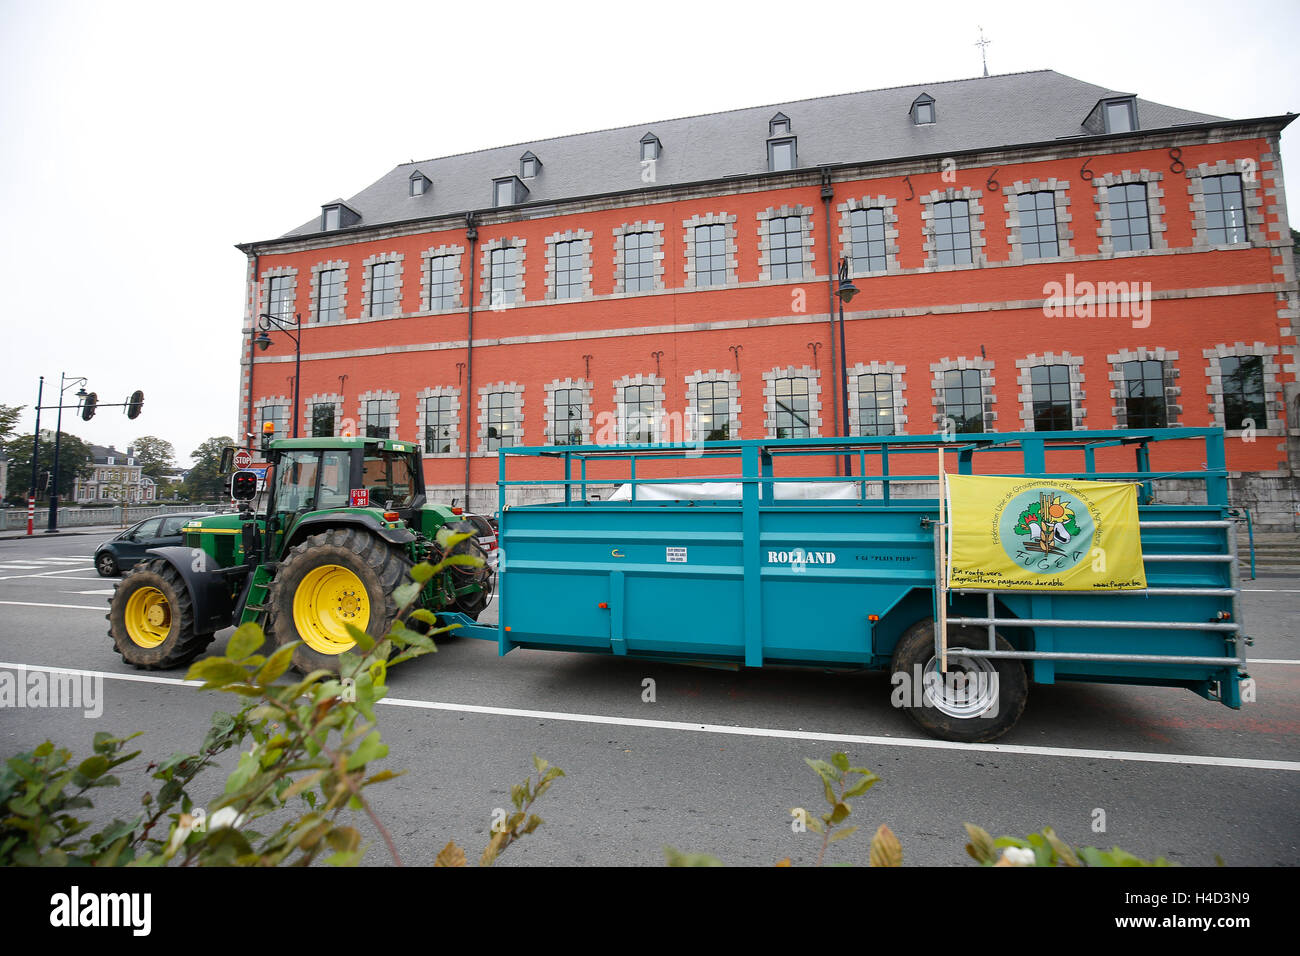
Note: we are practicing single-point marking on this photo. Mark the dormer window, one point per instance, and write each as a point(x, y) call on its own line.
point(782, 154)
point(1114, 114)
point(1120, 116)
point(420, 183)
point(338, 215)
point(778, 125)
point(650, 147)
point(529, 166)
point(508, 191)
point(923, 110)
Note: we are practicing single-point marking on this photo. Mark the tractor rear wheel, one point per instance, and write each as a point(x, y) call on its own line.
point(151, 618)
point(328, 581)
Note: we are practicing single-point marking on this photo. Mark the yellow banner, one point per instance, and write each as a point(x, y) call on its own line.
point(1042, 534)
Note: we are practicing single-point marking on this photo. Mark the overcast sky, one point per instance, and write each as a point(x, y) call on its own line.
point(141, 141)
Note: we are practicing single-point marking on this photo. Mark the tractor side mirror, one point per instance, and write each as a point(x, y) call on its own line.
point(227, 460)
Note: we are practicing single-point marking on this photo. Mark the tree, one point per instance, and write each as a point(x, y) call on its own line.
point(156, 457)
point(205, 480)
point(74, 462)
point(8, 418)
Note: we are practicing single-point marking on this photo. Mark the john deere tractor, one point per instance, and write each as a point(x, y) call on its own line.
point(344, 520)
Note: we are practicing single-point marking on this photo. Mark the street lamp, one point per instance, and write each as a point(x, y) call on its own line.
point(846, 291)
point(53, 527)
point(265, 322)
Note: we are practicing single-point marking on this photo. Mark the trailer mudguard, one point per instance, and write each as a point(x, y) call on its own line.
point(208, 586)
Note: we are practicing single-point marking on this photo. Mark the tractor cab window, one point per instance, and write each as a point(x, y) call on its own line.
point(334, 468)
point(387, 476)
point(295, 486)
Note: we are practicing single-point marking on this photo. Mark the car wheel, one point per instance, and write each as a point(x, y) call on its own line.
point(106, 565)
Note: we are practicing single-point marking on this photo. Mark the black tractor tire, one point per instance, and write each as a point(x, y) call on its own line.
point(106, 565)
point(151, 618)
point(334, 566)
point(471, 605)
point(951, 714)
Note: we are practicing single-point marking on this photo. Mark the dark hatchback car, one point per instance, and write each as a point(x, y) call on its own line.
point(120, 554)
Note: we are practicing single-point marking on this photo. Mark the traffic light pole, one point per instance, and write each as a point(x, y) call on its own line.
point(36, 447)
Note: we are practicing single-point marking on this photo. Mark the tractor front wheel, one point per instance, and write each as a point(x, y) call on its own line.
point(151, 618)
point(331, 580)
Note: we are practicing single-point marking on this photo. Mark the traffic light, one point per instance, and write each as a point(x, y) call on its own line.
point(243, 485)
point(88, 406)
point(134, 404)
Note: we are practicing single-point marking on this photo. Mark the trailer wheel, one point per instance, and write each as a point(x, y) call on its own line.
point(982, 699)
point(343, 576)
point(151, 618)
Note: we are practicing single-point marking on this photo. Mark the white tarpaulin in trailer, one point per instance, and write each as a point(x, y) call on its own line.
point(730, 491)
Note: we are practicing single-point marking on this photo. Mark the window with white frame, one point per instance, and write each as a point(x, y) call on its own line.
point(503, 265)
point(711, 254)
point(439, 424)
point(1145, 405)
point(443, 274)
point(867, 232)
point(566, 424)
point(638, 406)
point(1037, 211)
point(378, 418)
point(639, 261)
point(1225, 209)
point(569, 268)
point(1130, 221)
point(876, 412)
point(785, 247)
point(500, 412)
point(952, 235)
point(791, 409)
point(1053, 407)
point(280, 292)
point(329, 295)
point(383, 289)
point(712, 411)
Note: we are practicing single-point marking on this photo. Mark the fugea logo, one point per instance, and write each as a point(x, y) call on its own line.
point(74, 909)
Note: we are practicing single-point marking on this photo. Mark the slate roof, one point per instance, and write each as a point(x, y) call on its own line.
point(876, 125)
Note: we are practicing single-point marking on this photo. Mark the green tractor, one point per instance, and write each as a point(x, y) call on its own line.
point(344, 520)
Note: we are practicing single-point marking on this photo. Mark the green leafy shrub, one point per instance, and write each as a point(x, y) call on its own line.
point(307, 751)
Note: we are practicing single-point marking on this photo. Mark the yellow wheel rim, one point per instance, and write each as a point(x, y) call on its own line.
point(148, 617)
point(329, 598)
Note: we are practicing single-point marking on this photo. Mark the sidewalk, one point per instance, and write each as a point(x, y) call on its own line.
point(103, 531)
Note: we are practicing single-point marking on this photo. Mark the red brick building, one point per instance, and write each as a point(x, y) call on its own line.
point(1032, 252)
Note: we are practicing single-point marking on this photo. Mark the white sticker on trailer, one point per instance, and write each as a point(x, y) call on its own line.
point(676, 555)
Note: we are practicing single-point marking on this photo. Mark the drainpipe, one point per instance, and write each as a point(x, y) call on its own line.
point(467, 406)
point(248, 431)
point(828, 196)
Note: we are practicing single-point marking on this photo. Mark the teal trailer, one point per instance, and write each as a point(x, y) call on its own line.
point(815, 552)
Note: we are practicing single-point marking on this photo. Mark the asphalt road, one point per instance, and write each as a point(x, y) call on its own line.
point(715, 763)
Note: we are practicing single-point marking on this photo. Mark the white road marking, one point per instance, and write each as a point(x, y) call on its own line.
point(59, 560)
point(83, 607)
point(108, 591)
point(18, 567)
point(43, 574)
point(1247, 763)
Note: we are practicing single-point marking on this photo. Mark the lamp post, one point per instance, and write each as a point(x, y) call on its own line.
point(53, 527)
point(265, 323)
point(846, 291)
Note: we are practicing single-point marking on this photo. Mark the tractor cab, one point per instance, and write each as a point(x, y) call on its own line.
point(308, 476)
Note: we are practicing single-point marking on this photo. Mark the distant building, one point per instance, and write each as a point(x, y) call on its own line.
point(117, 475)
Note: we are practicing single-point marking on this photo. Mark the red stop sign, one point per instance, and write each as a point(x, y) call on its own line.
point(243, 459)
